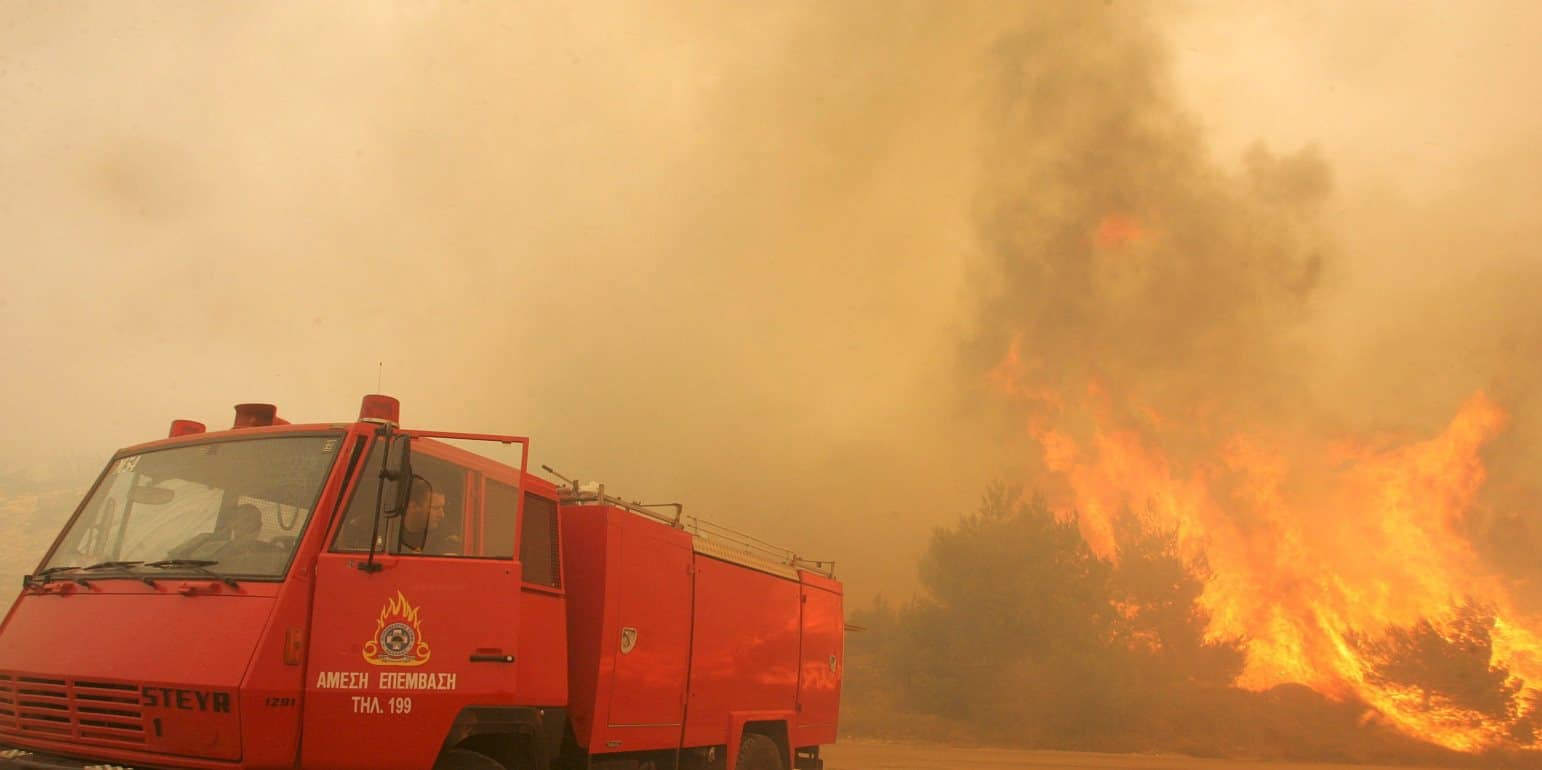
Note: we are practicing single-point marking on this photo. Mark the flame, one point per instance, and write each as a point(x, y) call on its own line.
point(1329, 557)
point(398, 608)
point(1011, 377)
point(1118, 230)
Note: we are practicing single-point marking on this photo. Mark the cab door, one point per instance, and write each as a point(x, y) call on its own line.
point(396, 650)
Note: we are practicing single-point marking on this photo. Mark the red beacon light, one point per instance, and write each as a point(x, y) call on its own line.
point(185, 428)
point(255, 415)
point(378, 408)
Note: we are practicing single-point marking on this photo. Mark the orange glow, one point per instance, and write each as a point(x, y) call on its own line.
point(1317, 548)
point(1011, 378)
point(1118, 230)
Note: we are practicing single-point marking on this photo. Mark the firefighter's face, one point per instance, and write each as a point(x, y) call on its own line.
point(428, 513)
point(435, 509)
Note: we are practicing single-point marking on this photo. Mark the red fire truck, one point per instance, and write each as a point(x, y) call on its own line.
point(358, 595)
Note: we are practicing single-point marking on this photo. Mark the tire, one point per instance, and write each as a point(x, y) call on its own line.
point(757, 752)
point(462, 759)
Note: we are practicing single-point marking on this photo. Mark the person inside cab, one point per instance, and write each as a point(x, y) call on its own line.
point(245, 526)
point(236, 535)
point(425, 523)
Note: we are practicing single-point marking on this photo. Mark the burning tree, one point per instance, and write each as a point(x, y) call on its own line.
point(1449, 666)
point(1027, 633)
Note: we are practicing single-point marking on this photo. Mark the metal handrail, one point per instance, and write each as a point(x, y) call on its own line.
point(574, 493)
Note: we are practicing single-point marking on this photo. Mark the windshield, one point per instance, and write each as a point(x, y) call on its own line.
point(232, 507)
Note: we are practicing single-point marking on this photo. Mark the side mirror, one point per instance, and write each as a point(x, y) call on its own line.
point(397, 471)
point(412, 535)
point(395, 485)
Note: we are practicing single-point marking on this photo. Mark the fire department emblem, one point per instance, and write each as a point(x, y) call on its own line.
point(398, 636)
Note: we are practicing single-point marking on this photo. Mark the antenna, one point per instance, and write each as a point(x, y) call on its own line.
point(379, 374)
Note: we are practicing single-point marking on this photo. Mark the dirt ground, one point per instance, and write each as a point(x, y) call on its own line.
point(871, 755)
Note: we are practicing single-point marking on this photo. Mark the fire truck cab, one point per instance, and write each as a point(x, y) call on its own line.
point(357, 595)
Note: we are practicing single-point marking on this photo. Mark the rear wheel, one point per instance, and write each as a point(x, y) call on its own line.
point(757, 752)
point(462, 759)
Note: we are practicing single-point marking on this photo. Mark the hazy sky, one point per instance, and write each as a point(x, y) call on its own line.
point(719, 254)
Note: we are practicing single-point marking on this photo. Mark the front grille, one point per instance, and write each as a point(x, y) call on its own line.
point(78, 710)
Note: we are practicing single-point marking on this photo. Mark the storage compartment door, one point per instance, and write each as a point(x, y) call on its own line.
point(823, 659)
point(653, 629)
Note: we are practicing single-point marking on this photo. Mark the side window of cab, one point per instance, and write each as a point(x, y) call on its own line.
point(538, 546)
point(437, 517)
point(437, 508)
point(500, 519)
point(535, 535)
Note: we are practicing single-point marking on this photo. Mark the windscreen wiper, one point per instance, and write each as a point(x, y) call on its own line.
point(110, 565)
point(202, 565)
point(123, 565)
point(182, 563)
point(43, 575)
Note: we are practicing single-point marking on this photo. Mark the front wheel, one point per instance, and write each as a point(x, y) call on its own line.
point(757, 752)
point(462, 759)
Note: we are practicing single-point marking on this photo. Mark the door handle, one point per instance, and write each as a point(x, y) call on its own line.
point(491, 657)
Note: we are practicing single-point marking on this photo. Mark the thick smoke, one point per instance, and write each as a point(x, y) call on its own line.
point(780, 263)
point(702, 255)
point(1118, 253)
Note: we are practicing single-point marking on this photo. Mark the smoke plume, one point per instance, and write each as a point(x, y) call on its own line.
point(822, 272)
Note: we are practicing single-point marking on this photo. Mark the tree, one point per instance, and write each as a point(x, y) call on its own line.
point(1160, 620)
point(1448, 664)
point(1024, 632)
point(1014, 614)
